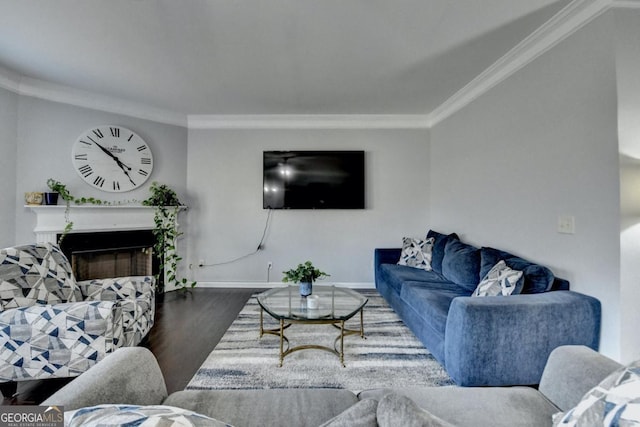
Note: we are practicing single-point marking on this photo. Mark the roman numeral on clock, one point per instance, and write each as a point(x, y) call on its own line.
point(98, 133)
point(143, 172)
point(85, 170)
point(99, 181)
point(116, 185)
point(142, 148)
point(145, 161)
point(115, 132)
point(81, 157)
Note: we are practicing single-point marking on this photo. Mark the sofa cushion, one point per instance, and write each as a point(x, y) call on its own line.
point(395, 275)
point(266, 407)
point(36, 274)
point(613, 402)
point(398, 410)
point(134, 415)
point(537, 278)
point(432, 303)
point(478, 406)
point(362, 414)
point(461, 264)
point(439, 243)
point(500, 280)
point(416, 253)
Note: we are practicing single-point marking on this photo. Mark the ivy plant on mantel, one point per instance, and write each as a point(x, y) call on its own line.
point(166, 207)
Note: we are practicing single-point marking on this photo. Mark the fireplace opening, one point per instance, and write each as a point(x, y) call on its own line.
point(101, 255)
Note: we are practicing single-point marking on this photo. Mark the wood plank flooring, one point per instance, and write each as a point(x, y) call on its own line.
point(188, 325)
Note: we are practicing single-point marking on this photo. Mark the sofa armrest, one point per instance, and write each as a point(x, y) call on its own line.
point(128, 375)
point(571, 371)
point(119, 288)
point(497, 341)
point(386, 256)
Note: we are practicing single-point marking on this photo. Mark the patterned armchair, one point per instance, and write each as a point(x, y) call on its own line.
point(52, 326)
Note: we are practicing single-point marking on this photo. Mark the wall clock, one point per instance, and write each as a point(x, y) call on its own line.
point(112, 158)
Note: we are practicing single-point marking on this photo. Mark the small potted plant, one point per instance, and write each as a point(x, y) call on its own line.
point(57, 189)
point(305, 274)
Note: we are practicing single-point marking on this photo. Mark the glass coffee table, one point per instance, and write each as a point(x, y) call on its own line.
point(335, 306)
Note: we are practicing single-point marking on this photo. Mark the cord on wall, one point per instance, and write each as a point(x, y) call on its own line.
point(258, 249)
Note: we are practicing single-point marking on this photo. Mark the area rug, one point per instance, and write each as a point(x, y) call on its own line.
point(389, 356)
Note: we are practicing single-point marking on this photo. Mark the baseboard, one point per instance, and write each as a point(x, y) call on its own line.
point(267, 285)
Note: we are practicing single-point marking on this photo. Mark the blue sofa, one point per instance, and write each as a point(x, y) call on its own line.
point(485, 341)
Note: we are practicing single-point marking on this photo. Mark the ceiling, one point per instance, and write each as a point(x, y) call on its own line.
point(266, 57)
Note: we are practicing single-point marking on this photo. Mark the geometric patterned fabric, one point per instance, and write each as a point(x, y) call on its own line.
point(613, 402)
point(51, 326)
point(416, 253)
point(135, 415)
point(500, 280)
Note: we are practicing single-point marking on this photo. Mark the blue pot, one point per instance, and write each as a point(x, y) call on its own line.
point(305, 288)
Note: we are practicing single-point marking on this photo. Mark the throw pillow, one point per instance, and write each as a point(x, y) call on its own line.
point(135, 415)
point(438, 248)
point(461, 264)
point(362, 414)
point(537, 278)
point(397, 410)
point(613, 402)
point(500, 280)
point(416, 253)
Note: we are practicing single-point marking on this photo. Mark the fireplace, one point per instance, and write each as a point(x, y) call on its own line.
point(124, 230)
point(100, 255)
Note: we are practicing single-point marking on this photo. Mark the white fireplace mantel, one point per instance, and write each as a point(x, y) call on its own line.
point(50, 220)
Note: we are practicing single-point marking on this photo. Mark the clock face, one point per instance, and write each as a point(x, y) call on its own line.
point(112, 158)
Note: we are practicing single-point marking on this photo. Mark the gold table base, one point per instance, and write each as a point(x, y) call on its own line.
point(336, 323)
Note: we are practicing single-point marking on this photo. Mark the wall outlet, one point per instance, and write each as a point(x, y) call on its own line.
point(567, 224)
point(201, 263)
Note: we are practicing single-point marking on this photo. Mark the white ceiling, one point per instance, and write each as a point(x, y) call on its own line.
point(266, 57)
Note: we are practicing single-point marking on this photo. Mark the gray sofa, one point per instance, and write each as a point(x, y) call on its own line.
point(132, 376)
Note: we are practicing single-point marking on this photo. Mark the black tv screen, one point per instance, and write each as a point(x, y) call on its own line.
point(313, 180)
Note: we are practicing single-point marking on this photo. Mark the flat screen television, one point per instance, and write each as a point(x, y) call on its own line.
point(313, 180)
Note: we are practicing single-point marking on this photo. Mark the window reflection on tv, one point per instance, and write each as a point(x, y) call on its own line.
point(313, 180)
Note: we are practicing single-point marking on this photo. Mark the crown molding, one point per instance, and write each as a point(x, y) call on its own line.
point(36, 88)
point(626, 4)
point(566, 22)
point(308, 121)
point(9, 80)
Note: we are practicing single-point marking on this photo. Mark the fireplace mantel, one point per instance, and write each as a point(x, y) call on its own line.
point(50, 220)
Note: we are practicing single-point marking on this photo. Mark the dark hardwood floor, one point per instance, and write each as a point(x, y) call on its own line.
point(188, 325)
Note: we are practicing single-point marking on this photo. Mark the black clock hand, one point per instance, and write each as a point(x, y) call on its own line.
point(117, 160)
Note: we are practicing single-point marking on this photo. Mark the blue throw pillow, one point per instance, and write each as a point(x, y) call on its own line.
point(461, 264)
point(537, 278)
point(437, 253)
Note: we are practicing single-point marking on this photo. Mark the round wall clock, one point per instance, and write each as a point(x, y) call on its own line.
point(112, 158)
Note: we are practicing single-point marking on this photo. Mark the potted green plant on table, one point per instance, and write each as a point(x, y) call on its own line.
point(305, 274)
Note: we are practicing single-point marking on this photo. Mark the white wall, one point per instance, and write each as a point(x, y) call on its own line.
point(628, 78)
point(542, 143)
point(46, 133)
point(226, 219)
point(8, 147)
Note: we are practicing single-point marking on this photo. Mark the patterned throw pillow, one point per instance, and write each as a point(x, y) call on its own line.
point(500, 280)
point(135, 415)
point(612, 403)
point(416, 253)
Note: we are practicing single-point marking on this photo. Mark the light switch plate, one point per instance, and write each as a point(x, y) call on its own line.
point(566, 224)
